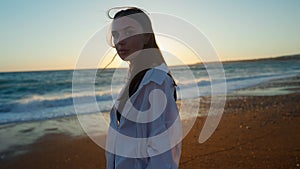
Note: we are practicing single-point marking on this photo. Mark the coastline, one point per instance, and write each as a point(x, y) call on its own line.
point(257, 131)
point(250, 135)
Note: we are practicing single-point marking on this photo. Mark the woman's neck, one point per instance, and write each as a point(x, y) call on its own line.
point(146, 59)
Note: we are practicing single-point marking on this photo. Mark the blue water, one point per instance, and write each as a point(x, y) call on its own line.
point(31, 96)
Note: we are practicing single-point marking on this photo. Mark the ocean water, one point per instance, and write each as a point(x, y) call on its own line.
point(34, 104)
point(42, 95)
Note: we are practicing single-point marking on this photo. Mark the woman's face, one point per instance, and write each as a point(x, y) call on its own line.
point(127, 36)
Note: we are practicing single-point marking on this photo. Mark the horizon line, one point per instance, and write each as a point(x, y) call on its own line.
point(224, 61)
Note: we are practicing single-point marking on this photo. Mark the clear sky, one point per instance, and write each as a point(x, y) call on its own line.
point(49, 34)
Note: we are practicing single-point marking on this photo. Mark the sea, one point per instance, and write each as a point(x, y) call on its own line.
point(30, 99)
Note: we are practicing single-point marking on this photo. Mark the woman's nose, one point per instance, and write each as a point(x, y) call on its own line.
point(121, 42)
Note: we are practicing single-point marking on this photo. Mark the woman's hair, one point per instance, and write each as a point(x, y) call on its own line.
point(148, 58)
point(142, 18)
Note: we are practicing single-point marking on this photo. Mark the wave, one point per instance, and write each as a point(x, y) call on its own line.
point(28, 96)
point(37, 103)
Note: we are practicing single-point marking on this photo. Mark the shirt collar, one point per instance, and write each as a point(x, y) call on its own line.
point(162, 67)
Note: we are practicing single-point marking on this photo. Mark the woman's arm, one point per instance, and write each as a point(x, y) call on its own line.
point(164, 133)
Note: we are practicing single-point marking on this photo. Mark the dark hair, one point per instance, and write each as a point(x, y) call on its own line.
point(142, 18)
point(155, 59)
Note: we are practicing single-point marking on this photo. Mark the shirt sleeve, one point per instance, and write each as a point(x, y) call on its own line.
point(164, 132)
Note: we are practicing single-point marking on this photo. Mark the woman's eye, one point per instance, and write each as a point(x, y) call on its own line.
point(129, 33)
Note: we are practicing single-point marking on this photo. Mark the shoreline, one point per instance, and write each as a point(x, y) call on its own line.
point(254, 132)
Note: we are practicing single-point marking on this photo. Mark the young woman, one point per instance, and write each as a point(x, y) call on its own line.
point(145, 129)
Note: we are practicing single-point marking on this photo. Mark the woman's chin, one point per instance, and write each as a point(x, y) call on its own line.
point(123, 56)
point(128, 56)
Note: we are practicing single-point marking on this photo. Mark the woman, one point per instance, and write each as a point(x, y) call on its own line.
point(145, 128)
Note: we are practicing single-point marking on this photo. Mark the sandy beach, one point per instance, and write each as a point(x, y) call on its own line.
point(254, 132)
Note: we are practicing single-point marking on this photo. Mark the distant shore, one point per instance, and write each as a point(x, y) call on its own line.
point(254, 132)
point(281, 58)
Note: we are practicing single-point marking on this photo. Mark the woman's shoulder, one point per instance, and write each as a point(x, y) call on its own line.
point(157, 78)
point(157, 75)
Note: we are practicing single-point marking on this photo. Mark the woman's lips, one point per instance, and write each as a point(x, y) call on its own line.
point(123, 52)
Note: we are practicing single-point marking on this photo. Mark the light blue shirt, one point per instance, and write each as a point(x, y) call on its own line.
point(149, 138)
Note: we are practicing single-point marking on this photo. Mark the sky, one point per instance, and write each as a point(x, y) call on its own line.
point(50, 34)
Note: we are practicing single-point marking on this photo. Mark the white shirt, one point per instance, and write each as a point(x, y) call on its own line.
point(149, 133)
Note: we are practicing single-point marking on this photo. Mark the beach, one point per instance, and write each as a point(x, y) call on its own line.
point(256, 131)
point(171, 85)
